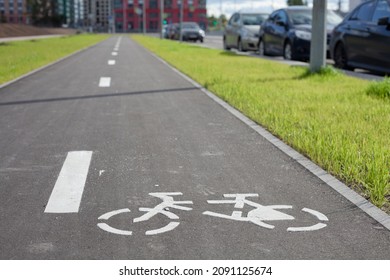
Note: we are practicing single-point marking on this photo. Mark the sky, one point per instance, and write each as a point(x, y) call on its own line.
point(228, 7)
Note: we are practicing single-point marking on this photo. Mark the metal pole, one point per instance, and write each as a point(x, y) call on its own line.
point(162, 19)
point(220, 14)
point(124, 6)
point(318, 36)
point(144, 16)
point(181, 19)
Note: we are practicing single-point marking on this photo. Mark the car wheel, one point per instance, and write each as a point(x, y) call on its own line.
point(225, 46)
point(261, 48)
point(201, 40)
point(340, 57)
point(287, 51)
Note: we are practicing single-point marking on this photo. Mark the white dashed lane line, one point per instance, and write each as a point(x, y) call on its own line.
point(105, 82)
point(111, 62)
point(68, 189)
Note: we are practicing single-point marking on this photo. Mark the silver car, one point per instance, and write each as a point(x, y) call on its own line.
point(242, 30)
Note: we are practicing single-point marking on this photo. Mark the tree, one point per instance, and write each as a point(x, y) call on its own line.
point(296, 2)
point(223, 19)
point(43, 12)
point(212, 21)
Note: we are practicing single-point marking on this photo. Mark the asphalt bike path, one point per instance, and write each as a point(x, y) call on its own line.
point(110, 154)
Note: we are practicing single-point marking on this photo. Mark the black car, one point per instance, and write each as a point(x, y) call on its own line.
point(362, 40)
point(287, 32)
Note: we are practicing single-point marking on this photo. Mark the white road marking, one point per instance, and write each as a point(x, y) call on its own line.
point(168, 227)
point(68, 190)
point(111, 62)
point(113, 213)
point(116, 48)
point(319, 215)
point(108, 228)
point(311, 228)
point(111, 229)
point(105, 82)
point(114, 53)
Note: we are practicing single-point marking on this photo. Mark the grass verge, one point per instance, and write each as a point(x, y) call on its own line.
point(327, 116)
point(20, 57)
point(380, 89)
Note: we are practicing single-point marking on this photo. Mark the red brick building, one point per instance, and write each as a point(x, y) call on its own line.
point(14, 11)
point(128, 14)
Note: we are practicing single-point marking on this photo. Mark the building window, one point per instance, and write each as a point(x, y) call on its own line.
point(167, 4)
point(117, 4)
point(153, 4)
point(130, 3)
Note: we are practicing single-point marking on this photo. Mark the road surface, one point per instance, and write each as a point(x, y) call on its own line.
point(110, 154)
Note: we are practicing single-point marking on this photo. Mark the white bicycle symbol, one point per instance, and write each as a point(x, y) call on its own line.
point(262, 213)
point(258, 216)
point(162, 208)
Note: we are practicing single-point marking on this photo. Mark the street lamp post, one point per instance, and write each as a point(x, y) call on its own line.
point(318, 37)
point(143, 17)
point(162, 19)
point(181, 19)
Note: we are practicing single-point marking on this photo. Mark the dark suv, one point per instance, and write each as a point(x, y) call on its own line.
point(362, 40)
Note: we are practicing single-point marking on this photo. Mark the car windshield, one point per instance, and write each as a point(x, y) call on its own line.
point(190, 26)
point(253, 19)
point(299, 17)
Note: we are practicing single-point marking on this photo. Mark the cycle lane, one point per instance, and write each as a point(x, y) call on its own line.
point(155, 136)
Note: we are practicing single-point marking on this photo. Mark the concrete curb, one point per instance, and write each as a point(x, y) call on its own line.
point(366, 206)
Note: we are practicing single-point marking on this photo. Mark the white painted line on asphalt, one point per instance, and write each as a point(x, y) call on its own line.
point(111, 229)
point(68, 190)
point(114, 53)
point(168, 227)
point(359, 201)
point(118, 42)
point(105, 82)
point(311, 228)
point(111, 62)
point(317, 214)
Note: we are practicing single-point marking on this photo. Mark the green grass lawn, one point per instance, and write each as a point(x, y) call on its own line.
point(18, 58)
point(327, 117)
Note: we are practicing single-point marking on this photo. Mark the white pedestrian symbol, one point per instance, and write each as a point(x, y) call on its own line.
point(261, 213)
point(163, 208)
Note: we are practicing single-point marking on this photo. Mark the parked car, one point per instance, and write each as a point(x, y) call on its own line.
point(287, 32)
point(362, 40)
point(242, 30)
point(172, 30)
point(191, 31)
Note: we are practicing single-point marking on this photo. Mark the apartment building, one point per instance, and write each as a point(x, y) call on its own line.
point(14, 11)
point(128, 14)
point(71, 12)
point(97, 14)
